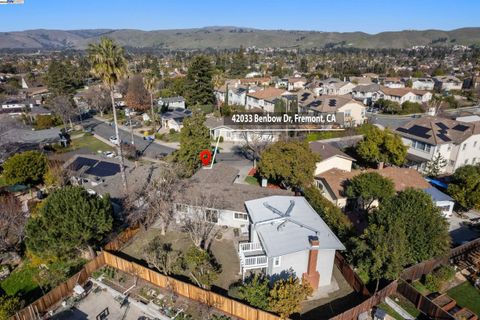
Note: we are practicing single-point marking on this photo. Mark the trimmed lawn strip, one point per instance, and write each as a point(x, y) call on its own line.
point(466, 296)
point(390, 311)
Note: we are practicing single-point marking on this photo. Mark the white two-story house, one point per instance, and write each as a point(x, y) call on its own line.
point(457, 142)
point(448, 83)
point(423, 84)
point(287, 236)
point(264, 100)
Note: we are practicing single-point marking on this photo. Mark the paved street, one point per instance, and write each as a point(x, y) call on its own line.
point(151, 149)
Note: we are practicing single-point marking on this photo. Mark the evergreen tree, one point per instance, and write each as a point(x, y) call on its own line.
point(291, 162)
point(303, 65)
point(239, 64)
point(70, 220)
point(464, 186)
point(256, 291)
point(435, 166)
point(199, 86)
point(382, 146)
point(194, 138)
point(27, 168)
point(369, 187)
point(63, 78)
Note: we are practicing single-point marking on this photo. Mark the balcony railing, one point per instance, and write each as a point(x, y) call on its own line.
point(252, 256)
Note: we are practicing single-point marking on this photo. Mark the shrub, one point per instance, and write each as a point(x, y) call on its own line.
point(45, 122)
point(171, 131)
point(27, 167)
point(432, 282)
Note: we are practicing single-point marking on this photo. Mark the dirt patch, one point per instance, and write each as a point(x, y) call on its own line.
point(223, 250)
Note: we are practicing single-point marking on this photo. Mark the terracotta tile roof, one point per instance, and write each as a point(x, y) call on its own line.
point(402, 178)
point(267, 93)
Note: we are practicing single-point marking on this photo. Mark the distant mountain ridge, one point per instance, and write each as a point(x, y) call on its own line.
point(233, 37)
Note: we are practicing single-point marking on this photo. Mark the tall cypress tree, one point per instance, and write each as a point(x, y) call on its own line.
point(199, 86)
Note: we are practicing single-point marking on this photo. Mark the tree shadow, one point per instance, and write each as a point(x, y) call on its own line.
point(330, 309)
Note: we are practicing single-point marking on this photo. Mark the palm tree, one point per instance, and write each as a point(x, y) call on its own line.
point(151, 83)
point(109, 64)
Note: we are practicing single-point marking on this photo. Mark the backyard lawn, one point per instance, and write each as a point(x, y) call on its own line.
point(89, 142)
point(21, 282)
point(252, 181)
point(466, 296)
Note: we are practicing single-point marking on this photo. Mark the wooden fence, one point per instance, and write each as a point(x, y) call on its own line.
point(368, 304)
point(421, 302)
point(126, 235)
point(350, 275)
point(224, 304)
point(44, 303)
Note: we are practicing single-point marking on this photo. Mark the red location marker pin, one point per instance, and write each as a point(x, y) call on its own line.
point(205, 157)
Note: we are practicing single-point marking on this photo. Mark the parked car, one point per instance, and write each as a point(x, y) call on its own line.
point(114, 140)
point(109, 154)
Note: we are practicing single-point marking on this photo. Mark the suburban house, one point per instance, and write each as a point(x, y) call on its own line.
point(237, 95)
point(330, 158)
point(402, 95)
point(457, 142)
point(173, 102)
point(423, 84)
point(296, 83)
point(319, 86)
point(304, 97)
point(365, 93)
point(360, 80)
point(264, 100)
point(259, 81)
point(393, 82)
point(344, 107)
point(237, 133)
point(338, 88)
point(173, 119)
point(225, 200)
point(447, 83)
point(333, 182)
point(287, 236)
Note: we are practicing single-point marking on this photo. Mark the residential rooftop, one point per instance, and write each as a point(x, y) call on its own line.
point(285, 224)
point(436, 130)
point(326, 151)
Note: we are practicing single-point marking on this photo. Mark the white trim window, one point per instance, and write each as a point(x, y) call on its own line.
point(240, 216)
point(211, 215)
point(277, 261)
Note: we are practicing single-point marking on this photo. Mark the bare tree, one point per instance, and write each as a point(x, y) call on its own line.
point(154, 204)
point(200, 222)
point(162, 256)
point(255, 143)
point(98, 97)
point(137, 96)
point(12, 223)
point(64, 108)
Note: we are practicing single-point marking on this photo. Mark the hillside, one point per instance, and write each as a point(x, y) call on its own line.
point(233, 37)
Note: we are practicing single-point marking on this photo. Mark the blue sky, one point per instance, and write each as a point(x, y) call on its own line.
point(370, 16)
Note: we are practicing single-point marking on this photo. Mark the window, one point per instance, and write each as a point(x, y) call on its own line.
point(240, 216)
point(276, 262)
point(466, 161)
point(452, 163)
point(444, 208)
point(475, 144)
point(180, 207)
point(474, 160)
point(211, 215)
point(464, 146)
point(348, 113)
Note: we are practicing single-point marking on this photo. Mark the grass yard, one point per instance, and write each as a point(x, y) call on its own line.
point(420, 287)
point(390, 311)
point(86, 141)
point(252, 181)
point(466, 296)
point(406, 305)
point(21, 282)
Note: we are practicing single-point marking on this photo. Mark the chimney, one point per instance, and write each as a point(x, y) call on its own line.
point(312, 275)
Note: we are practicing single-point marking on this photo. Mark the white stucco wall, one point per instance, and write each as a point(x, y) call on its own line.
point(333, 162)
point(325, 262)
